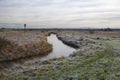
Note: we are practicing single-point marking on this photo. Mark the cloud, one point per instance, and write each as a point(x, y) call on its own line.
point(62, 13)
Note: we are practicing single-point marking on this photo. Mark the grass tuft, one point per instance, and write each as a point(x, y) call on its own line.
point(3, 43)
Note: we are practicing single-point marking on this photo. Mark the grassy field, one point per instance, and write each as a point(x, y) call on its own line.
point(103, 65)
point(95, 61)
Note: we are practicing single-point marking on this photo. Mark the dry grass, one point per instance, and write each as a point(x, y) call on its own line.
point(28, 44)
point(4, 43)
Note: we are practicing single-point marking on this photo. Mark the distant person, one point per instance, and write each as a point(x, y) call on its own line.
point(25, 27)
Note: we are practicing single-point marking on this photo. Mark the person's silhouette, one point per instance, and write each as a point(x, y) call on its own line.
point(24, 26)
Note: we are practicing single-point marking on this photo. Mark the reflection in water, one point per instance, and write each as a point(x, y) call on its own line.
point(59, 48)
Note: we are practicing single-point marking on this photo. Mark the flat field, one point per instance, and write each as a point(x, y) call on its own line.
point(97, 56)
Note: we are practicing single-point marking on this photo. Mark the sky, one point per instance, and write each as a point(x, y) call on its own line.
point(60, 13)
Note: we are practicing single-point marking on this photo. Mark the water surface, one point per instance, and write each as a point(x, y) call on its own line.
point(59, 48)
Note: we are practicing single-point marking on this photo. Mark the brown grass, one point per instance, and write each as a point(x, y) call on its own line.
point(4, 43)
point(11, 51)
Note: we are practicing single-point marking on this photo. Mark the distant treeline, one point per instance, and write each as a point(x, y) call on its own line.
point(77, 29)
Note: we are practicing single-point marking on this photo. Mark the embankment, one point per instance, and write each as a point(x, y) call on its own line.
point(9, 50)
point(75, 43)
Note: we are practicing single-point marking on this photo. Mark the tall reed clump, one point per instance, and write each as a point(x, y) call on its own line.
point(35, 48)
point(6, 47)
point(4, 43)
point(11, 51)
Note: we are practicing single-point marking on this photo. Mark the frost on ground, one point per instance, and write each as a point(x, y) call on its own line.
point(96, 58)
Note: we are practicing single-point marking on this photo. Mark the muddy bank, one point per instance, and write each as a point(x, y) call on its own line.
point(79, 39)
point(75, 43)
point(69, 41)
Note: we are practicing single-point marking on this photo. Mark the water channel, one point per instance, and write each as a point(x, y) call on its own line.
point(59, 48)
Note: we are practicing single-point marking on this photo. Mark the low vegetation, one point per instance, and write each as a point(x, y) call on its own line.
point(94, 61)
point(4, 43)
point(9, 50)
point(103, 65)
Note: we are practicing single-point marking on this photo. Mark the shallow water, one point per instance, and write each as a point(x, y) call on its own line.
point(59, 48)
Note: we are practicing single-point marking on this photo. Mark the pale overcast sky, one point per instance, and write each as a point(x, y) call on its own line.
point(60, 13)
